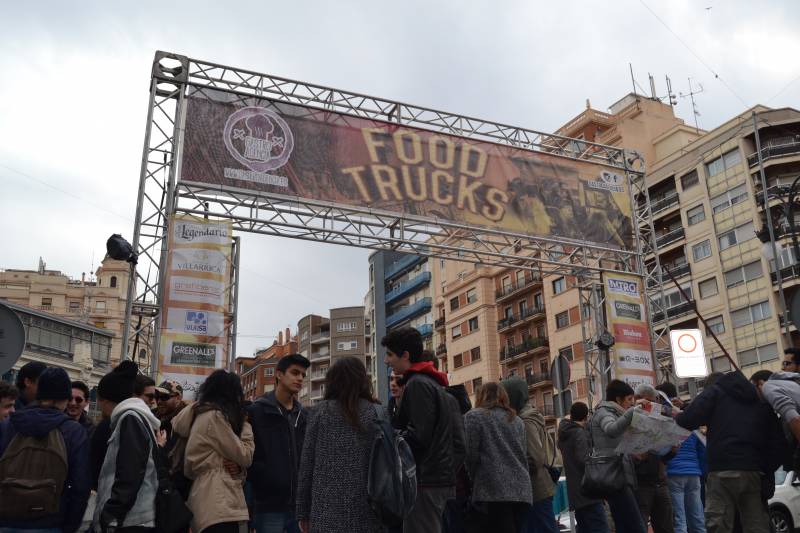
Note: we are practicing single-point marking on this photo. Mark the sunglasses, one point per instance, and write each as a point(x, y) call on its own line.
point(77, 399)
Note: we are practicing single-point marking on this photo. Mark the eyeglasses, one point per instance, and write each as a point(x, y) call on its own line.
point(78, 399)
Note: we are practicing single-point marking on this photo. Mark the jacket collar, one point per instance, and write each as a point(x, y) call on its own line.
point(426, 368)
point(140, 408)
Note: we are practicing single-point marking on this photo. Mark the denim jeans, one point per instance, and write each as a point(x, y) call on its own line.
point(540, 518)
point(625, 511)
point(687, 505)
point(592, 519)
point(276, 523)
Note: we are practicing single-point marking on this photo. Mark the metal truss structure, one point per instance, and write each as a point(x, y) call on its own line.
point(162, 193)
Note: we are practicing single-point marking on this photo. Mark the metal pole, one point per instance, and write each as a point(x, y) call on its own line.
point(771, 230)
point(237, 243)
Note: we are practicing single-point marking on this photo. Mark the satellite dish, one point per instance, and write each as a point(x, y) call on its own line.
point(12, 338)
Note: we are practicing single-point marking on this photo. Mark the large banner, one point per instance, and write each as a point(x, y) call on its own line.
point(253, 144)
point(194, 333)
point(631, 356)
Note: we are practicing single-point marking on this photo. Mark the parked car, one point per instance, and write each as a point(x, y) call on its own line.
point(784, 507)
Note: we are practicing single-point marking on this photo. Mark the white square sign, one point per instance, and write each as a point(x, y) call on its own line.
point(688, 353)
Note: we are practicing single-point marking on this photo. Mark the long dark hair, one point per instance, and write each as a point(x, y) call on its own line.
point(222, 391)
point(347, 383)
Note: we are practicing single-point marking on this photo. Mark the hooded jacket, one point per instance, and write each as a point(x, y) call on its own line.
point(279, 435)
point(573, 441)
point(743, 431)
point(39, 421)
point(126, 490)
point(782, 391)
point(216, 496)
point(426, 420)
point(539, 450)
point(606, 427)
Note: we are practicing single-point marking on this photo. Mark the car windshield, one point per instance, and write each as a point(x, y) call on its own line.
point(780, 476)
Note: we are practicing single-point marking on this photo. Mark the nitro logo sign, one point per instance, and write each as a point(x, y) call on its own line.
point(627, 310)
point(623, 286)
point(193, 354)
point(189, 232)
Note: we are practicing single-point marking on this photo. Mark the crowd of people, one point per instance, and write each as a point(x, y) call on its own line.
point(275, 466)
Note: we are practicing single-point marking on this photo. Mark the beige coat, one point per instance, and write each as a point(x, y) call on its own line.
point(216, 496)
point(540, 453)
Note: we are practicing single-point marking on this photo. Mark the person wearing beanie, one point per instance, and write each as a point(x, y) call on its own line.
point(128, 481)
point(540, 452)
point(27, 379)
point(39, 419)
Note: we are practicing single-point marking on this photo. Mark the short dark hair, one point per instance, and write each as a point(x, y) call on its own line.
point(761, 375)
point(578, 412)
point(141, 383)
point(292, 359)
point(617, 389)
point(427, 355)
point(30, 371)
point(668, 388)
point(81, 386)
point(7, 390)
point(405, 339)
point(795, 353)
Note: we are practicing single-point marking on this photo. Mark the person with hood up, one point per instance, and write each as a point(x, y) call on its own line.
point(611, 418)
point(39, 419)
point(279, 428)
point(217, 431)
point(539, 454)
point(743, 433)
point(425, 419)
point(573, 441)
point(126, 489)
point(497, 464)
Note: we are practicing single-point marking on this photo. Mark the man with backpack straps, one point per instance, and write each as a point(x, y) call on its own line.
point(44, 471)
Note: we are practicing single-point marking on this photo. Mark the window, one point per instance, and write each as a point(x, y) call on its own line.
point(349, 325)
point(472, 324)
point(113, 281)
point(458, 361)
point(47, 302)
point(520, 278)
point(695, 215)
point(347, 345)
point(736, 236)
point(454, 303)
point(100, 305)
point(523, 308)
point(476, 384)
point(728, 198)
point(720, 364)
point(708, 287)
point(269, 372)
point(74, 305)
point(566, 352)
point(472, 296)
point(761, 354)
point(538, 301)
point(562, 320)
point(475, 354)
point(701, 250)
point(748, 315)
point(723, 162)
point(674, 298)
point(508, 312)
point(544, 366)
point(456, 331)
point(529, 369)
point(506, 283)
point(743, 274)
point(689, 180)
point(559, 285)
point(715, 324)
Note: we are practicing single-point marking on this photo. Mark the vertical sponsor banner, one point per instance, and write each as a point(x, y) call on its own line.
point(194, 323)
point(631, 356)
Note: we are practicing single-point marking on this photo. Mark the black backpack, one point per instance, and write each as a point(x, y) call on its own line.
point(392, 478)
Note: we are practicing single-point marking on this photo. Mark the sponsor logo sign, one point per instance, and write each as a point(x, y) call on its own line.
point(634, 359)
point(632, 334)
point(189, 231)
point(198, 290)
point(626, 287)
point(200, 261)
point(195, 322)
point(194, 354)
point(627, 310)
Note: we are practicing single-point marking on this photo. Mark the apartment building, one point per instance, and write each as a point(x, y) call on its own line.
point(258, 373)
point(400, 292)
point(99, 302)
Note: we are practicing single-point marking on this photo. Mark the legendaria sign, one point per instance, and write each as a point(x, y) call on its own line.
point(276, 147)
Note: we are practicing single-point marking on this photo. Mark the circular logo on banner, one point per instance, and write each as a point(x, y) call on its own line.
point(687, 343)
point(258, 138)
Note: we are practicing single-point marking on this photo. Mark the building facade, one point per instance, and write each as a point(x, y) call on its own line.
point(258, 373)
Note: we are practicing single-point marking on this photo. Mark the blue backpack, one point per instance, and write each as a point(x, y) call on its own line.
point(392, 479)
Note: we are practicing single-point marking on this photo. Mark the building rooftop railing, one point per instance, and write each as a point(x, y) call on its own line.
point(770, 152)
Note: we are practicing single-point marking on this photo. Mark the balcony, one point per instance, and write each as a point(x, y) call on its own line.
point(528, 345)
point(774, 192)
point(321, 355)
point(540, 378)
point(439, 323)
point(318, 375)
point(408, 287)
point(402, 266)
point(677, 271)
point(516, 286)
point(441, 349)
point(787, 273)
point(673, 312)
point(323, 336)
point(426, 330)
point(669, 238)
point(662, 203)
point(771, 152)
point(409, 312)
point(512, 320)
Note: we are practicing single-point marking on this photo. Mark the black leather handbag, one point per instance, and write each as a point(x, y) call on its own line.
point(603, 475)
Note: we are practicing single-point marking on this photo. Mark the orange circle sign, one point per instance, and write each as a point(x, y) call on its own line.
point(687, 343)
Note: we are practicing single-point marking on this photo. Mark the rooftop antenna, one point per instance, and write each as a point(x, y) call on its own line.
point(91, 270)
point(633, 80)
point(673, 100)
point(691, 94)
point(652, 87)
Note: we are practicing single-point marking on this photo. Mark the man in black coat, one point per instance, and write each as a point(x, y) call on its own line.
point(743, 436)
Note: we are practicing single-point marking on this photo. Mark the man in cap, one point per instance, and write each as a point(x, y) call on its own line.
point(169, 396)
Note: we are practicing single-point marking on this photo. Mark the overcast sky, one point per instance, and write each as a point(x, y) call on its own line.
point(74, 79)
